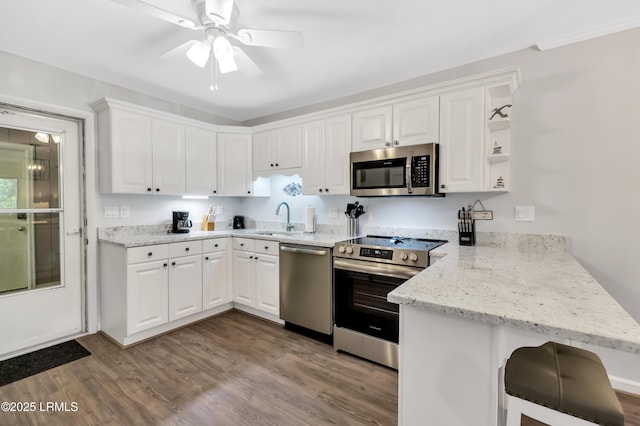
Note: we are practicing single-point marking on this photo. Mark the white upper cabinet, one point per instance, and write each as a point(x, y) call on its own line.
point(275, 150)
point(125, 152)
point(325, 156)
point(234, 164)
point(372, 128)
point(201, 161)
point(416, 121)
point(462, 141)
point(168, 157)
point(403, 123)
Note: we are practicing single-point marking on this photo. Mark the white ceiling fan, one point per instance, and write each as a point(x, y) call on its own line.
point(217, 18)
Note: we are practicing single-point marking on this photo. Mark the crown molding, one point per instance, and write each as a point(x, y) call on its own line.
point(593, 32)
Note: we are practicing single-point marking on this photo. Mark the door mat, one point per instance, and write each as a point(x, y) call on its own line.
point(20, 367)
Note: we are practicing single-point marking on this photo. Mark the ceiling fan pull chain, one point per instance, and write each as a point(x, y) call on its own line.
point(214, 80)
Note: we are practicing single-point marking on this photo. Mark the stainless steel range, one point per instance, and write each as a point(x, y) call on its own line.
point(366, 269)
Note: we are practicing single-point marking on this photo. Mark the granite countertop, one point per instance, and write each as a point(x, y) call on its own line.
point(539, 288)
point(143, 236)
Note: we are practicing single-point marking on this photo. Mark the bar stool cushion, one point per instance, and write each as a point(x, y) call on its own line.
point(566, 379)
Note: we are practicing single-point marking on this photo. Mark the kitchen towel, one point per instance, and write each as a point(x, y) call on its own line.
point(309, 224)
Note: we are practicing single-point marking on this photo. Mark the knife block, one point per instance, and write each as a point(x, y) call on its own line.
point(466, 238)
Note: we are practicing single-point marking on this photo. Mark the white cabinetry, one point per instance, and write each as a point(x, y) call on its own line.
point(201, 161)
point(147, 293)
point(148, 290)
point(185, 279)
point(277, 150)
point(234, 164)
point(462, 140)
point(168, 157)
point(217, 287)
point(325, 160)
point(409, 122)
point(256, 285)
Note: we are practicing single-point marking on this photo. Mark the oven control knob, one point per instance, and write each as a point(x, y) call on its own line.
point(403, 256)
point(413, 257)
point(349, 250)
point(341, 249)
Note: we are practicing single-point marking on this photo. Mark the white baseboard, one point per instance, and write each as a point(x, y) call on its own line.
point(625, 385)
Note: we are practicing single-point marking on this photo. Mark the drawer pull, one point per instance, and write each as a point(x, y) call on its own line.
point(215, 245)
point(266, 247)
point(164, 264)
point(206, 258)
point(150, 254)
point(250, 257)
point(187, 249)
point(173, 263)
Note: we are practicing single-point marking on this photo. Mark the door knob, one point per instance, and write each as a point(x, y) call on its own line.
point(20, 228)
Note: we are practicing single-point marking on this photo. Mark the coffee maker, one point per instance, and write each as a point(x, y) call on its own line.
point(181, 223)
point(238, 222)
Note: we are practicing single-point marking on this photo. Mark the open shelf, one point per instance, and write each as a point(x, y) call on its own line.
point(494, 158)
point(499, 123)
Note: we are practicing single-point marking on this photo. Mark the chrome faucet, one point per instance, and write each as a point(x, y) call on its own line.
point(289, 225)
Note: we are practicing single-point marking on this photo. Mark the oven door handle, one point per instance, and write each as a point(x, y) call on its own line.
point(303, 251)
point(394, 271)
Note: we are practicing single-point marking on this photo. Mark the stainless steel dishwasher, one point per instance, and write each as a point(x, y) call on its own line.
point(306, 287)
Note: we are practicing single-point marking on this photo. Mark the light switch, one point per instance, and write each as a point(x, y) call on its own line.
point(220, 209)
point(525, 213)
point(124, 211)
point(111, 212)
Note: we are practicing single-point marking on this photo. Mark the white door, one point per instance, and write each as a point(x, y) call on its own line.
point(288, 148)
point(234, 164)
point(416, 121)
point(313, 161)
point(215, 280)
point(47, 205)
point(337, 148)
point(372, 129)
point(185, 287)
point(147, 296)
point(200, 160)
point(243, 278)
point(267, 284)
point(168, 158)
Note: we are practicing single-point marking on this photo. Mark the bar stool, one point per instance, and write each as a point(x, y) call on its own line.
point(560, 385)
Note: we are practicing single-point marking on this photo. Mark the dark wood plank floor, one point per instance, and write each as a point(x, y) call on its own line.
point(233, 369)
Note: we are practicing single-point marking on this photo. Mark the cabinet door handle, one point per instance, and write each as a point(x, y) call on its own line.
point(186, 249)
point(150, 254)
point(442, 186)
point(164, 264)
point(173, 263)
point(256, 257)
point(271, 164)
point(248, 192)
point(215, 192)
point(276, 164)
point(396, 143)
point(326, 190)
point(266, 247)
point(319, 189)
point(250, 257)
point(157, 189)
point(241, 244)
point(148, 189)
point(387, 144)
point(206, 258)
point(215, 245)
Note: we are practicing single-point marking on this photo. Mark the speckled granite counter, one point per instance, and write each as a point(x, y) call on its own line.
point(534, 285)
point(136, 236)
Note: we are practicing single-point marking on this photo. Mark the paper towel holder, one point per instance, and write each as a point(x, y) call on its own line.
point(314, 221)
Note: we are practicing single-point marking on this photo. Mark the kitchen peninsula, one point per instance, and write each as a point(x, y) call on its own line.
point(463, 316)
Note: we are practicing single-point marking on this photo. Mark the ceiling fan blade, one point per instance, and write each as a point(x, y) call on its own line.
point(157, 12)
point(179, 51)
point(270, 38)
point(219, 10)
point(247, 67)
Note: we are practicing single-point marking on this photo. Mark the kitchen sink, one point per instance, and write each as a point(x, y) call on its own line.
point(276, 233)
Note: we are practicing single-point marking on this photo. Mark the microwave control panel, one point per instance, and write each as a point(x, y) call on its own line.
point(420, 166)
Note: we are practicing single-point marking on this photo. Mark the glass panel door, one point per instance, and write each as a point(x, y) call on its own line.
point(41, 245)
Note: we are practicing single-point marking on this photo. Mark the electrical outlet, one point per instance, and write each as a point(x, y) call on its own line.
point(111, 212)
point(482, 215)
point(525, 213)
point(125, 211)
point(220, 210)
point(333, 213)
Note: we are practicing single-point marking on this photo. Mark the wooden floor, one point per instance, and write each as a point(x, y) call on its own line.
point(233, 369)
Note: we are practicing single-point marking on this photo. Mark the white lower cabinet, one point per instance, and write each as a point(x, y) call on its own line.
point(149, 290)
point(217, 288)
point(147, 295)
point(256, 275)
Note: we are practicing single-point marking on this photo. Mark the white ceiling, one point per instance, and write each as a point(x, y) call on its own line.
point(350, 45)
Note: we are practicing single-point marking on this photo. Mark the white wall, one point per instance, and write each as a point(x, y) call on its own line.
point(576, 121)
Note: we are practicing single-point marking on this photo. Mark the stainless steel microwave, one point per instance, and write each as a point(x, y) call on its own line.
point(406, 170)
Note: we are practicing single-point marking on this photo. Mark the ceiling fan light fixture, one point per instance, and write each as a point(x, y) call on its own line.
point(223, 53)
point(198, 53)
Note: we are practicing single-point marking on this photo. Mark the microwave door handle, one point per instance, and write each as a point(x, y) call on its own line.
point(408, 174)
